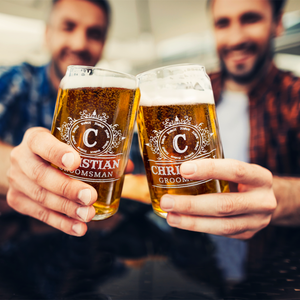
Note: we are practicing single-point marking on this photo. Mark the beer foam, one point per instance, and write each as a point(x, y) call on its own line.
point(155, 97)
point(77, 82)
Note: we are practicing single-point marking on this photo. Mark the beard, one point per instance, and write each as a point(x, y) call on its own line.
point(258, 67)
point(84, 57)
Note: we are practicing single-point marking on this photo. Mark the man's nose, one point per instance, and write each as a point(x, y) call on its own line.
point(78, 41)
point(236, 35)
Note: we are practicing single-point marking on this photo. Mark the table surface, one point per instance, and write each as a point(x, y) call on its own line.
point(136, 255)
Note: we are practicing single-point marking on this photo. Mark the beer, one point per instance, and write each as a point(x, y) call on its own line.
point(177, 125)
point(95, 114)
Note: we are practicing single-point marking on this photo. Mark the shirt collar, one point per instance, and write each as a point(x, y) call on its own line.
point(262, 86)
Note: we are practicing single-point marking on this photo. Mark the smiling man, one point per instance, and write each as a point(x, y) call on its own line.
point(75, 35)
point(258, 108)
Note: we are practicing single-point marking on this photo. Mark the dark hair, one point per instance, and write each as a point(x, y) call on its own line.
point(277, 6)
point(103, 4)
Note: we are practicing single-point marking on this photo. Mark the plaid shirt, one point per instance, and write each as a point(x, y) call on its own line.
point(27, 99)
point(274, 105)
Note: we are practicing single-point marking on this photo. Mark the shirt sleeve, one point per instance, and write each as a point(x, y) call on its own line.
point(13, 83)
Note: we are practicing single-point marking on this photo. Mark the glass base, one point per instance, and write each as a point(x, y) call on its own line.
point(161, 214)
point(102, 217)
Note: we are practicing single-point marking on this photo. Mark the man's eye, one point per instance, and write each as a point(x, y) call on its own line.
point(95, 34)
point(68, 26)
point(251, 18)
point(222, 23)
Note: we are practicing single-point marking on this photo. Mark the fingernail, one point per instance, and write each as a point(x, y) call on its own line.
point(167, 203)
point(85, 196)
point(83, 212)
point(77, 229)
point(68, 160)
point(174, 219)
point(188, 168)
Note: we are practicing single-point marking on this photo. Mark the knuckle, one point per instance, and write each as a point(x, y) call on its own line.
point(39, 195)
point(43, 215)
point(191, 224)
point(225, 205)
point(271, 206)
point(11, 199)
point(230, 227)
point(39, 172)
point(265, 222)
point(30, 135)
point(65, 186)
point(212, 167)
point(239, 170)
point(14, 155)
point(269, 179)
point(64, 208)
point(52, 152)
point(188, 205)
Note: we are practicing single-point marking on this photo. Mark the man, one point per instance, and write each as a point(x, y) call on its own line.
point(259, 112)
point(75, 34)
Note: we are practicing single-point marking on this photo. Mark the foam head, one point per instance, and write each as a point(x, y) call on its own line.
point(154, 95)
point(89, 77)
point(173, 85)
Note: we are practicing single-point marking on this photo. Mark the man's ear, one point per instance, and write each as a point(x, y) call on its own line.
point(279, 26)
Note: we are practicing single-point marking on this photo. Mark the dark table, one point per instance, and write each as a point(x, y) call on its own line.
point(136, 255)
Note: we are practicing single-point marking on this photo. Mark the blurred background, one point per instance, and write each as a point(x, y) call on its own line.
point(144, 34)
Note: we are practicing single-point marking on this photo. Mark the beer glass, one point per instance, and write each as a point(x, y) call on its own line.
point(95, 114)
point(177, 122)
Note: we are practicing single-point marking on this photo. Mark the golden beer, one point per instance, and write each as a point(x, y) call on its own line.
point(177, 126)
point(98, 122)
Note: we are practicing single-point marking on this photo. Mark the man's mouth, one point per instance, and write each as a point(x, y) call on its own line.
point(77, 58)
point(240, 53)
point(239, 57)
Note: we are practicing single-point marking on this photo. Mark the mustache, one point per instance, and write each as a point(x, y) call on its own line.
point(82, 55)
point(246, 46)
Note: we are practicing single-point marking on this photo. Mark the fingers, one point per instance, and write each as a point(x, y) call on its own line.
point(41, 142)
point(220, 204)
point(50, 200)
point(242, 227)
point(227, 169)
point(24, 205)
point(48, 178)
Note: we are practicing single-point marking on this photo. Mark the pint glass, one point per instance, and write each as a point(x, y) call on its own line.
point(177, 122)
point(95, 114)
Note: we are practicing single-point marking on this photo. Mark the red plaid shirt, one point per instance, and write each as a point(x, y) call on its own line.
point(274, 105)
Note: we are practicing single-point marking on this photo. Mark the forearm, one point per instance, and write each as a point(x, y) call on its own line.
point(287, 193)
point(5, 150)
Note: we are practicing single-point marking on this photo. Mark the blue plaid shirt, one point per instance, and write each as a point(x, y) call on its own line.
point(27, 99)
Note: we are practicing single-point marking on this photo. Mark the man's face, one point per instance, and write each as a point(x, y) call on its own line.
point(244, 30)
point(75, 34)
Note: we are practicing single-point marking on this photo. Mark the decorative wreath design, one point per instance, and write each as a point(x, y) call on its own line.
point(203, 133)
point(66, 128)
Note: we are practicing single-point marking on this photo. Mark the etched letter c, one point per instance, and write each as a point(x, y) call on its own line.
point(175, 143)
point(86, 135)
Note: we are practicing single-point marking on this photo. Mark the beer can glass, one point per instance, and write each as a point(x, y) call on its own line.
point(95, 114)
point(177, 122)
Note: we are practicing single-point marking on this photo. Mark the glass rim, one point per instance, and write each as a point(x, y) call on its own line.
point(138, 76)
point(102, 69)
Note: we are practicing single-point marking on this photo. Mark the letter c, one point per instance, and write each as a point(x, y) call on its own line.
point(86, 135)
point(175, 143)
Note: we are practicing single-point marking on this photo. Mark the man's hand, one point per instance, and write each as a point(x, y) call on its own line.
point(39, 190)
point(237, 214)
